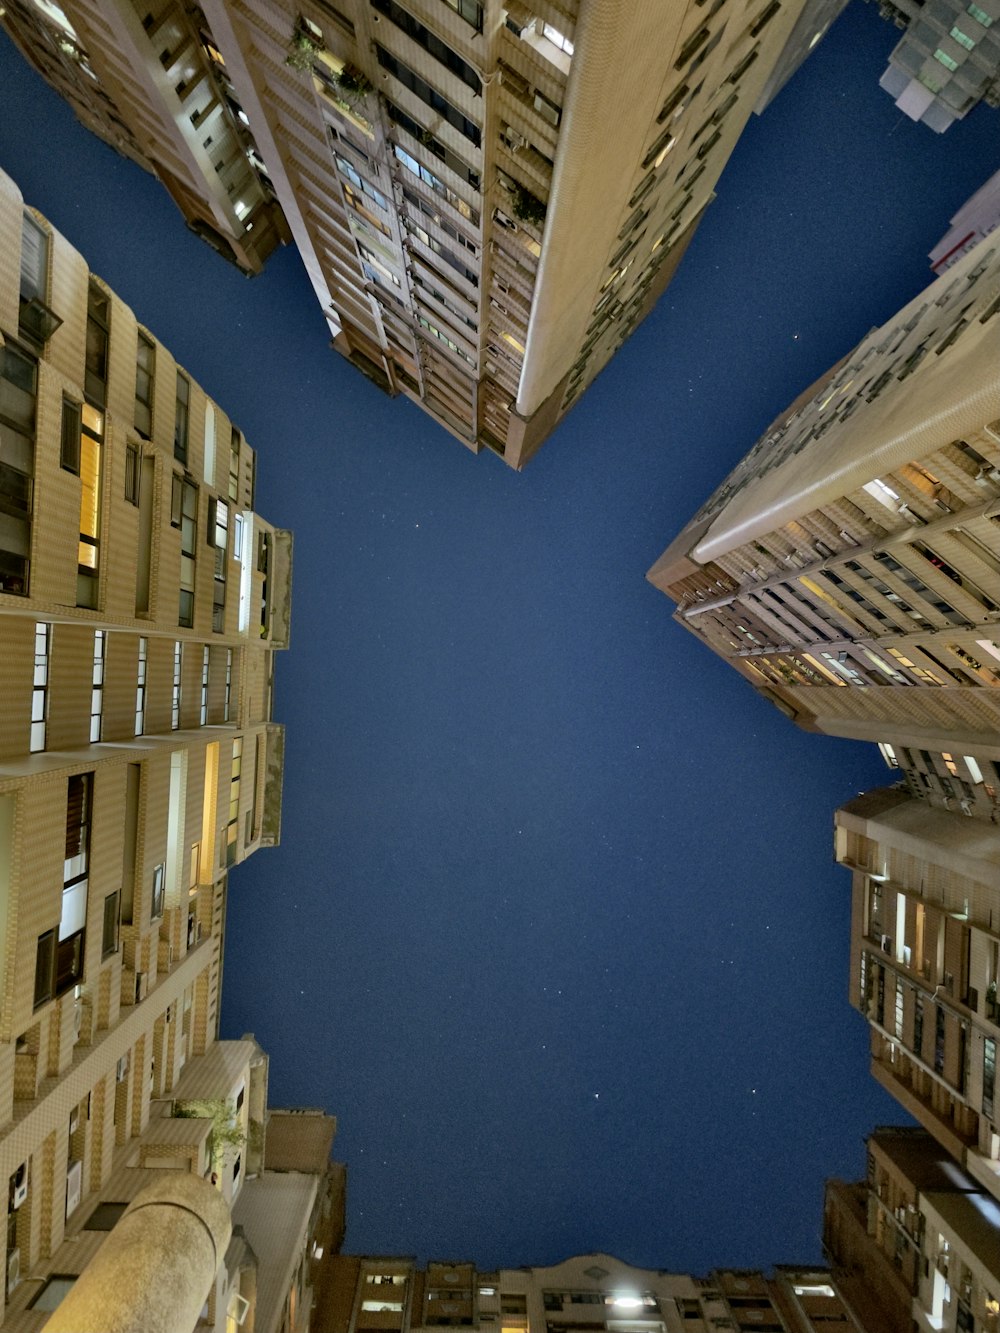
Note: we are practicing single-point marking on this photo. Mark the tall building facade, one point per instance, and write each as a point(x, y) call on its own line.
point(978, 216)
point(946, 62)
point(142, 601)
point(925, 966)
point(593, 1293)
point(478, 241)
point(914, 1244)
point(849, 567)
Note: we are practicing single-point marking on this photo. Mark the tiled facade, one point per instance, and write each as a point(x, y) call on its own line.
point(592, 1293)
point(925, 966)
point(849, 567)
point(914, 1245)
point(436, 163)
point(141, 603)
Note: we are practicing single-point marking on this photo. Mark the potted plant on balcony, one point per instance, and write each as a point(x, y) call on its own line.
point(353, 83)
point(527, 207)
point(305, 43)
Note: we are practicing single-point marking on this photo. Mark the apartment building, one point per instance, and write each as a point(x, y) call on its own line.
point(141, 603)
point(849, 567)
point(915, 1245)
point(591, 1293)
point(946, 62)
point(439, 165)
point(925, 966)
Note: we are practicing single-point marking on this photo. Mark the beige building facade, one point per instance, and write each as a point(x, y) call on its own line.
point(916, 1244)
point(925, 966)
point(593, 1293)
point(849, 567)
point(438, 164)
point(142, 601)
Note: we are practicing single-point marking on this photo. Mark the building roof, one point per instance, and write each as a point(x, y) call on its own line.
point(299, 1141)
point(273, 1212)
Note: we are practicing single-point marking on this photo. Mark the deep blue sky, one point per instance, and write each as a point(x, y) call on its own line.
point(554, 927)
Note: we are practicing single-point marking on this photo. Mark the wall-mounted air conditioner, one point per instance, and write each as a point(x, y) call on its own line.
point(74, 1187)
point(13, 1269)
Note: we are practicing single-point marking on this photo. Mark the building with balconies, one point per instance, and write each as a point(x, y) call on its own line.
point(925, 966)
point(916, 1245)
point(593, 1293)
point(849, 567)
point(436, 163)
point(141, 603)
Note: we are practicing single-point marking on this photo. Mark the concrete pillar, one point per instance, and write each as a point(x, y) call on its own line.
point(157, 1267)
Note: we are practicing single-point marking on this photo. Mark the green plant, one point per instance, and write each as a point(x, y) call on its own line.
point(302, 47)
point(351, 80)
point(527, 207)
point(226, 1137)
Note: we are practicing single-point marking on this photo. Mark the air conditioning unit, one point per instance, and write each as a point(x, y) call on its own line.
point(13, 1269)
point(74, 1187)
point(19, 1186)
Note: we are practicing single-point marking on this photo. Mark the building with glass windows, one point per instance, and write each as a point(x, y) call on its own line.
point(592, 1293)
point(849, 567)
point(925, 966)
point(914, 1244)
point(142, 601)
point(437, 164)
point(946, 62)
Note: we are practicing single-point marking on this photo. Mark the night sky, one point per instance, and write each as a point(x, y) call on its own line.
point(554, 927)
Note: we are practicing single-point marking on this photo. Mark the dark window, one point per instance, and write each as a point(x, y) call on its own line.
point(431, 43)
point(98, 330)
point(45, 957)
point(420, 88)
point(133, 472)
point(109, 939)
point(181, 418)
point(144, 361)
point(69, 449)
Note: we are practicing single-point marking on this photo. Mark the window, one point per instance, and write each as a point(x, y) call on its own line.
point(428, 177)
point(144, 360)
point(962, 38)
point(69, 444)
point(356, 179)
point(435, 100)
point(36, 322)
point(40, 686)
point(98, 332)
point(97, 686)
point(218, 536)
point(234, 800)
point(469, 10)
point(45, 954)
point(189, 527)
point(18, 381)
point(203, 707)
point(76, 879)
point(554, 36)
point(159, 891)
point(140, 687)
point(175, 698)
point(943, 58)
point(989, 1075)
point(88, 556)
point(980, 15)
point(133, 473)
point(181, 418)
point(431, 43)
point(109, 935)
point(229, 685)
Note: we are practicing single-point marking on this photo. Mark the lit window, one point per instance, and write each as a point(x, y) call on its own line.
point(97, 686)
point(203, 710)
point(175, 701)
point(140, 687)
point(40, 687)
point(962, 38)
point(943, 58)
point(980, 15)
point(557, 39)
